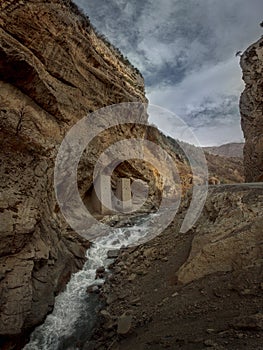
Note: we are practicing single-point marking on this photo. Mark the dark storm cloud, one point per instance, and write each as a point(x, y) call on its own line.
point(186, 52)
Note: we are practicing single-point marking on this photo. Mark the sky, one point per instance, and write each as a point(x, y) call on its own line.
point(186, 51)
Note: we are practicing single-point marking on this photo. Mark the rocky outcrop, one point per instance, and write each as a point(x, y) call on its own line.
point(251, 108)
point(229, 235)
point(54, 70)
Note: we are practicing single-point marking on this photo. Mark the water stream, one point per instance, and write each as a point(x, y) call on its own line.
point(74, 315)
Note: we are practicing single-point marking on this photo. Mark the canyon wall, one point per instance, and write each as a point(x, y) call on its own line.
point(54, 69)
point(251, 108)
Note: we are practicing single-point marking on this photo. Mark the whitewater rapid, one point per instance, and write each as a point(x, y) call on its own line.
point(74, 312)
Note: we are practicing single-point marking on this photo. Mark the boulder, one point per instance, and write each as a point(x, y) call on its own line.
point(113, 254)
point(124, 324)
point(93, 289)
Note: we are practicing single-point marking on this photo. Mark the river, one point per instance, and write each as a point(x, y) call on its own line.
point(75, 311)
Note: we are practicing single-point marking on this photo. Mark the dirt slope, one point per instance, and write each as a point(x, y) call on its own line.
point(198, 290)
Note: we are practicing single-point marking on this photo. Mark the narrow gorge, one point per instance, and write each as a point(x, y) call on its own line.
point(56, 69)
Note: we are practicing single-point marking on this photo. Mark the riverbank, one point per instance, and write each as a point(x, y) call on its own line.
point(202, 289)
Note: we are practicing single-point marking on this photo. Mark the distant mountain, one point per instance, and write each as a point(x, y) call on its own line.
point(228, 150)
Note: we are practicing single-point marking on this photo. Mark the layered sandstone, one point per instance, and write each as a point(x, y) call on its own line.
point(251, 107)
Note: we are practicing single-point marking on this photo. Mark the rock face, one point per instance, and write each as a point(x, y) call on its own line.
point(251, 107)
point(54, 69)
point(229, 235)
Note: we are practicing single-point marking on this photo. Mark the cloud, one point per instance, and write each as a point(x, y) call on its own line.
point(205, 102)
point(186, 52)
